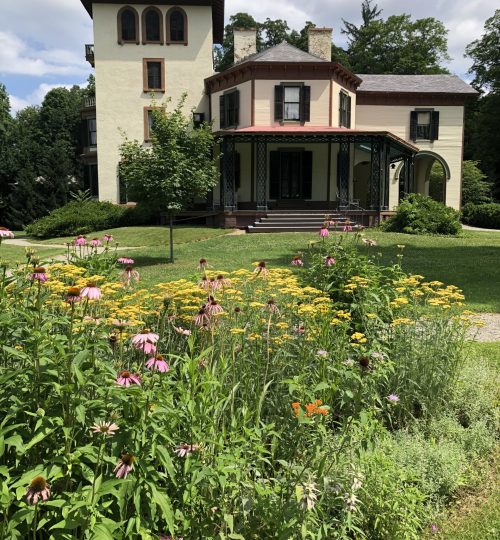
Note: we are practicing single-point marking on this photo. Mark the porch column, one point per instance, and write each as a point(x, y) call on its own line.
point(344, 172)
point(227, 191)
point(376, 173)
point(407, 183)
point(261, 174)
point(384, 187)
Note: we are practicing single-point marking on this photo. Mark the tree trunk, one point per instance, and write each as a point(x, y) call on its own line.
point(171, 226)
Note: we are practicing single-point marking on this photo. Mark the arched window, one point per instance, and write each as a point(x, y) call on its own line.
point(128, 25)
point(176, 26)
point(152, 26)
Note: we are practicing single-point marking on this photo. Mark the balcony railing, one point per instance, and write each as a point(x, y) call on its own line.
point(89, 102)
point(89, 53)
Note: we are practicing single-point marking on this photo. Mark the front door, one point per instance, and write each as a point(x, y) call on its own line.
point(290, 175)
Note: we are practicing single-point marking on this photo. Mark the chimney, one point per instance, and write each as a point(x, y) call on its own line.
point(245, 43)
point(320, 42)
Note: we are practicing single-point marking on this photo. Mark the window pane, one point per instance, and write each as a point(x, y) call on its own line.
point(292, 93)
point(291, 111)
point(424, 117)
point(152, 26)
point(154, 75)
point(176, 26)
point(128, 25)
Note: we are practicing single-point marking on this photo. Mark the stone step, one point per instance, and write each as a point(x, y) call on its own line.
point(257, 228)
point(288, 219)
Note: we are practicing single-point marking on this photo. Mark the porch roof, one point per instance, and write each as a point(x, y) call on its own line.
point(290, 130)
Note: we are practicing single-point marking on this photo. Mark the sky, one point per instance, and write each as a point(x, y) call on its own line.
point(42, 41)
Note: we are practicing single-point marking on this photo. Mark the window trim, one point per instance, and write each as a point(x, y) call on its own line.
point(137, 39)
point(433, 124)
point(168, 40)
point(143, 23)
point(225, 95)
point(348, 110)
point(304, 103)
point(145, 62)
point(147, 134)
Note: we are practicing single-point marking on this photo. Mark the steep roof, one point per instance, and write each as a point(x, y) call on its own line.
point(283, 52)
point(217, 10)
point(433, 84)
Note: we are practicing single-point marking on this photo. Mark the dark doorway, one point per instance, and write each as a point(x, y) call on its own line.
point(290, 174)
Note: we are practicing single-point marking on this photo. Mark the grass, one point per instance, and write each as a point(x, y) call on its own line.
point(469, 261)
point(14, 255)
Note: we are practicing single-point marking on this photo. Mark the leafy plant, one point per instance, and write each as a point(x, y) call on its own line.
point(482, 215)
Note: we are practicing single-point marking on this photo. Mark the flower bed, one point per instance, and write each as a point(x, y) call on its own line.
point(232, 405)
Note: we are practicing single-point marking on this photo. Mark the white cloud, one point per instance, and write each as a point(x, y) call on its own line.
point(36, 97)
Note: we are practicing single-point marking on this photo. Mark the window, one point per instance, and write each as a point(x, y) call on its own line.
point(149, 121)
point(292, 103)
point(152, 26)
point(198, 119)
point(424, 125)
point(176, 26)
point(91, 180)
point(92, 132)
point(229, 107)
point(344, 110)
point(128, 25)
point(153, 73)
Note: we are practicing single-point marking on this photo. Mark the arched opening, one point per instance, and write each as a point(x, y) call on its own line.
point(128, 25)
point(152, 26)
point(176, 26)
point(431, 175)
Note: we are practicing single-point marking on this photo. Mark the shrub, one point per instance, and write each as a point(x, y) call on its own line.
point(475, 187)
point(482, 215)
point(419, 214)
point(78, 218)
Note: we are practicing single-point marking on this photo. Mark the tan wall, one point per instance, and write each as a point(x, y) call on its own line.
point(245, 90)
point(396, 119)
point(120, 99)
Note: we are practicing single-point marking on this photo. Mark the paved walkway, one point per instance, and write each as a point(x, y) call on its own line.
point(491, 329)
point(470, 228)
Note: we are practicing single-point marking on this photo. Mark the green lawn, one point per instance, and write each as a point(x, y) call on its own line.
point(16, 254)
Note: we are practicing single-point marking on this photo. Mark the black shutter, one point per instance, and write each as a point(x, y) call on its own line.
point(341, 108)
point(222, 111)
point(348, 119)
point(305, 103)
point(434, 135)
point(307, 174)
point(274, 174)
point(413, 125)
point(278, 103)
point(236, 107)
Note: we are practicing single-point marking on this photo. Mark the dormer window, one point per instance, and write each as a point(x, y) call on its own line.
point(292, 102)
point(176, 26)
point(128, 25)
point(152, 26)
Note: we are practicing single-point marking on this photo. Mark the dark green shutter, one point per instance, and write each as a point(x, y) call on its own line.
point(307, 174)
point(434, 135)
point(274, 174)
point(348, 119)
point(305, 103)
point(222, 111)
point(413, 125)
point(278, 103)
point(236, 107)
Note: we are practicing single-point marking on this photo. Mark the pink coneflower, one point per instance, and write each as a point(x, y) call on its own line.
point(39, 274)
point(329, 260)
point(125, 378)
point(124, 466)
point(145, 341)
point(212, 307)
point(182, 331)
point(107, 238)
point(157, 363)
point(129, 275)
point(393, 398)
point(261, 269)
point(237, 310)
point(204, 283)
point(324, 232)
point(347, 226)
point(299, 329)
point(125, 260)
point(38, 489)
point(201, 318)
point(104, 428)
point(184, 450)
point(223, 281)
point(297, 261)
point(95, 242)
point(91, 291)
point(6, 233)
point(215, 284)
point(80, 240)
point(272, 307)
point(369, 243)
point(73, 295)
point(202, 264)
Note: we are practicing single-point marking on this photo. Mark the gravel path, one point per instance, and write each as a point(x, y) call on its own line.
point(491, 329)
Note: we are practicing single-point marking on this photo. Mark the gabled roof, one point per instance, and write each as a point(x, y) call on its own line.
point(408, 84)
point(217, 10)
point(284, 52)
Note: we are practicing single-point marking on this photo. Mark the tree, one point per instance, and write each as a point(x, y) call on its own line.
point(475, 188)
point(485, 53)
point(176, 168)
point(396, 45)
point(276, 31)
point(6, 165)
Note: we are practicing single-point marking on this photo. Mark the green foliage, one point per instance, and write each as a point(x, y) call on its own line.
point(475, 188)
point(419, 214)
point(482, 215)
point(78, 218)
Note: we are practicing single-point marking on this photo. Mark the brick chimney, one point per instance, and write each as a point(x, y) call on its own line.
point(245, 43)
point(320, 42)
